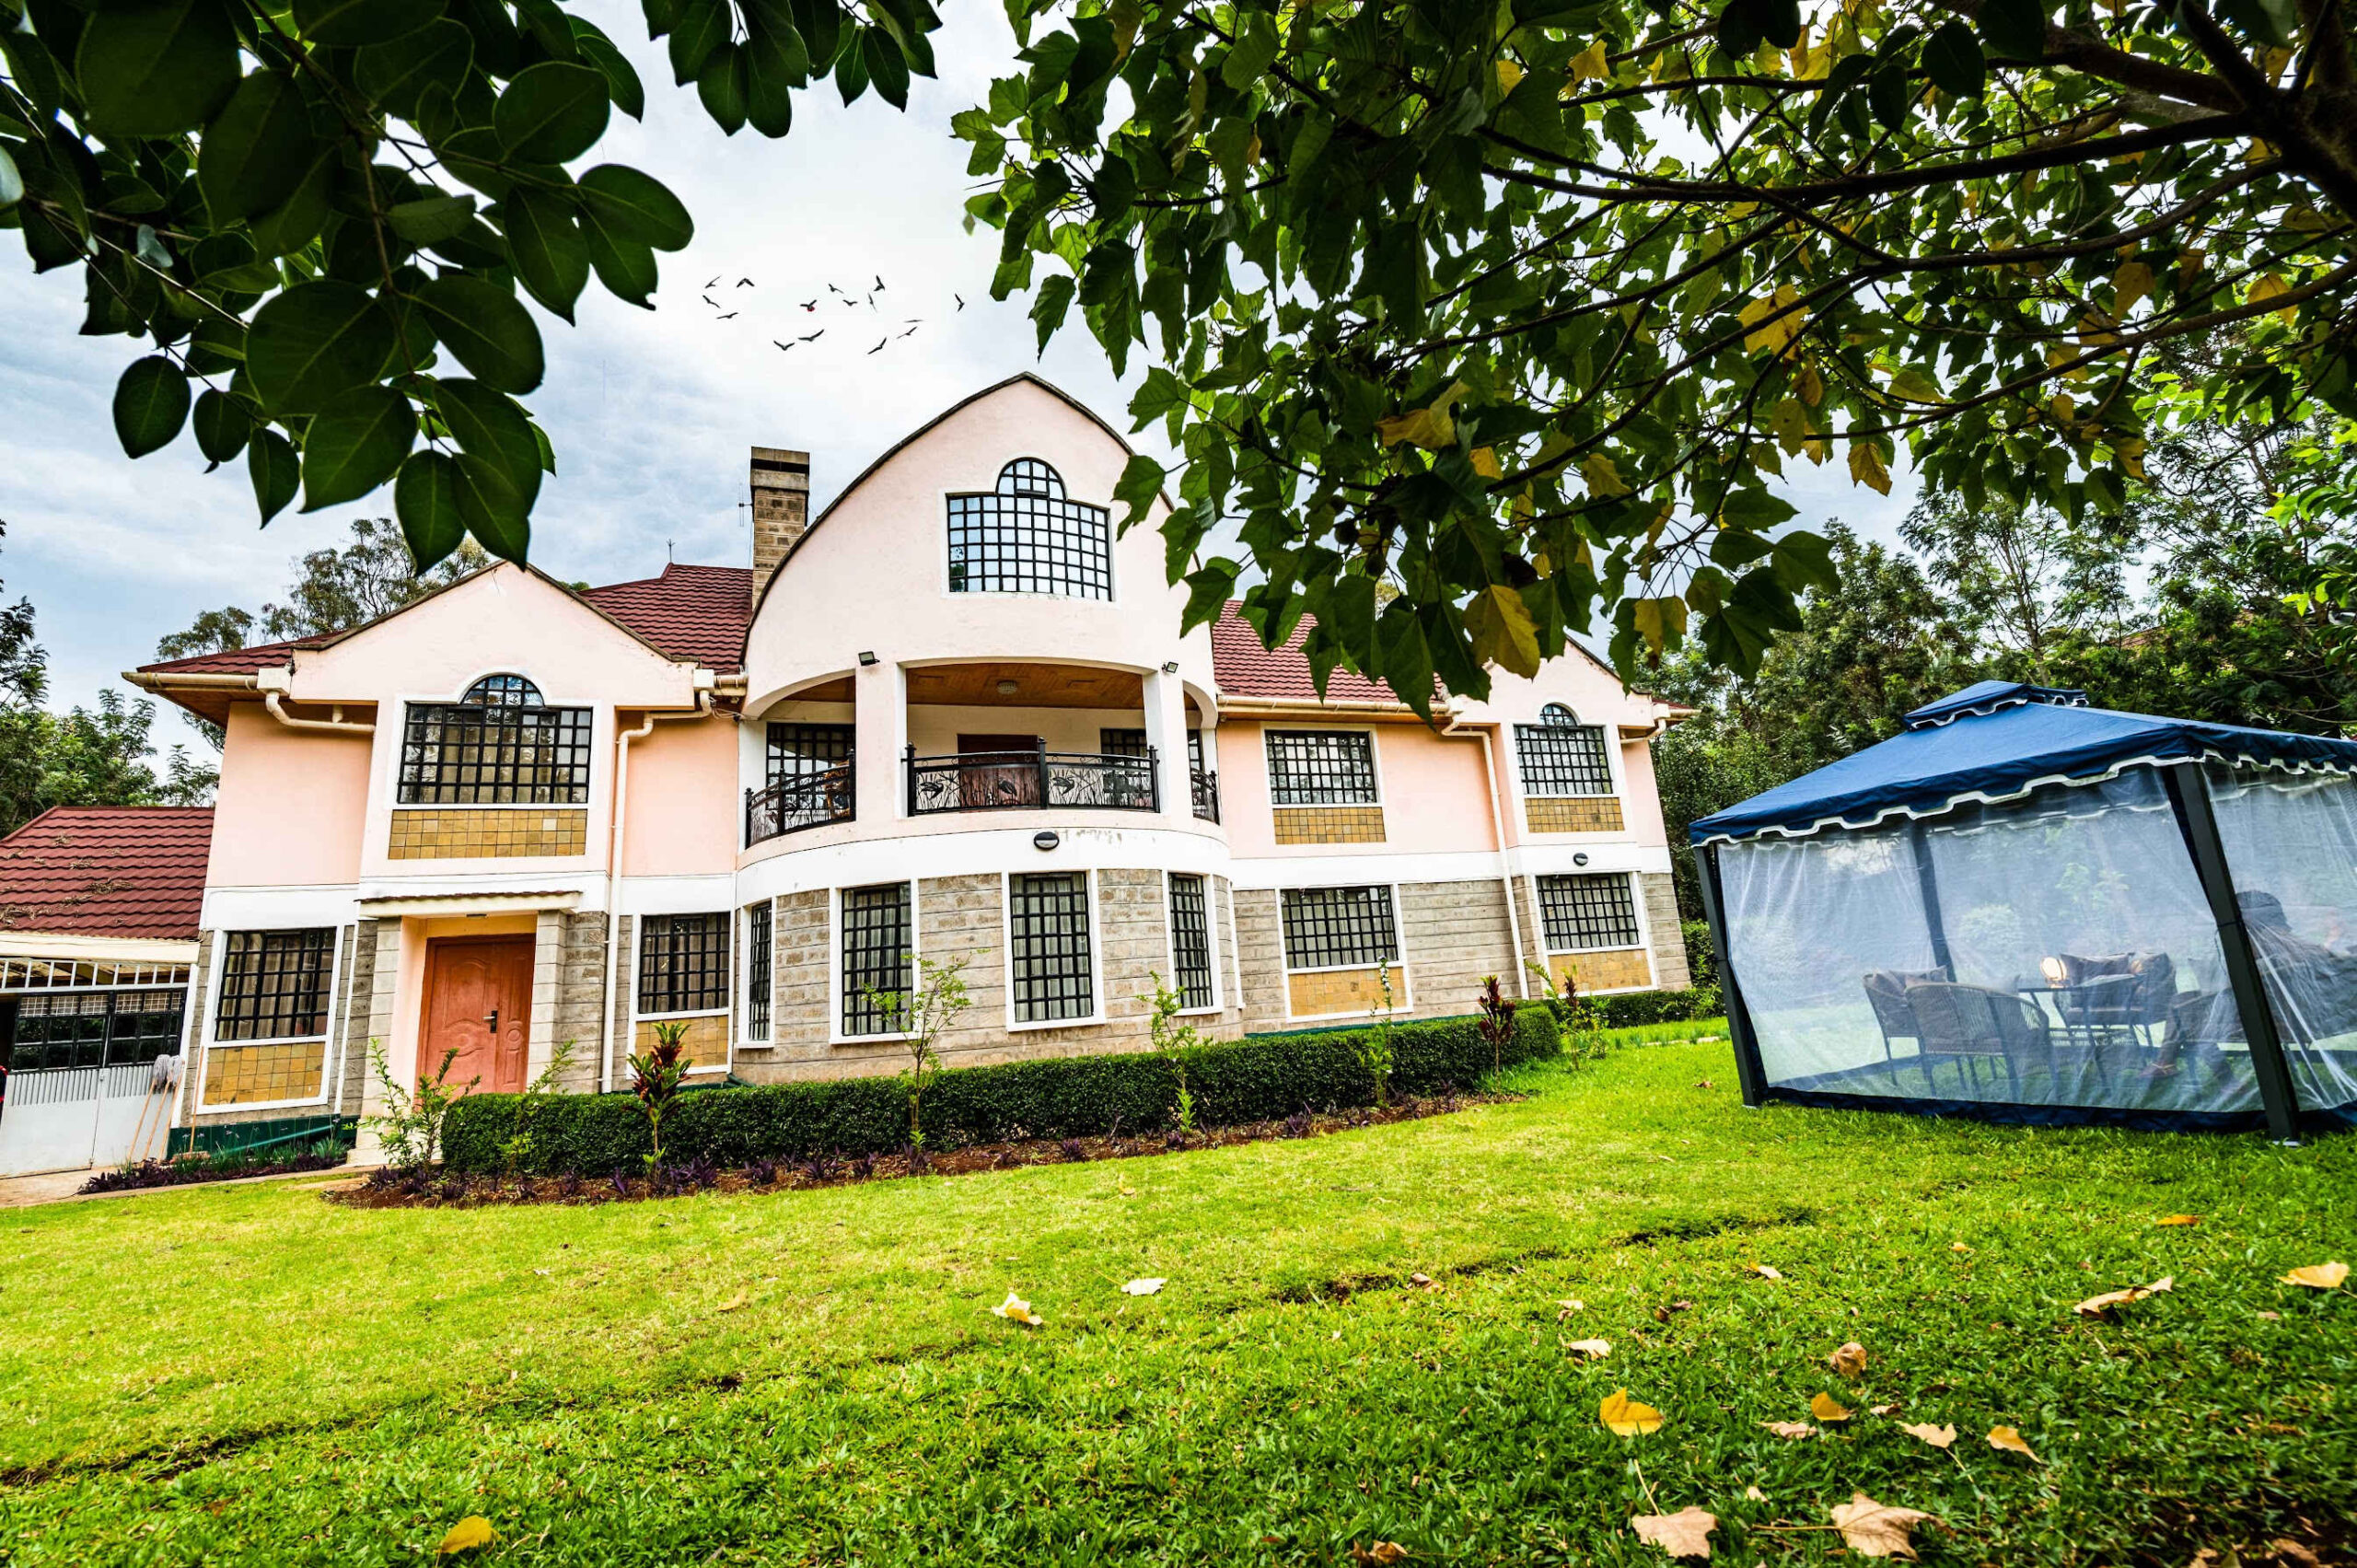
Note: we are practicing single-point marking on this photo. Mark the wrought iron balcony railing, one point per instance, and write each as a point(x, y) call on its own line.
point(1019, 781)
point(1206, 793)
point(791, 805)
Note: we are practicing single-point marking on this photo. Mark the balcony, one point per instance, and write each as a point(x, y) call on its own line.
point(791, 805)
point(1031, 781)
point(1204, 786)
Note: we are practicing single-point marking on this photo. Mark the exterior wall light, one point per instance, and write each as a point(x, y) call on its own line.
point(1170, 668)
point(1579, 859)
point(1008, 688)
point(1045, 840)
point(866, 660)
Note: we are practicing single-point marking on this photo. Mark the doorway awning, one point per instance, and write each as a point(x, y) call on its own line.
point(556, 899)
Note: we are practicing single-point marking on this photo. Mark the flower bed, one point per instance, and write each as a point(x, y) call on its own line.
point(234, 1165)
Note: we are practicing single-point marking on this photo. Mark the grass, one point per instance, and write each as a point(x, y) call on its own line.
point(250, 1374)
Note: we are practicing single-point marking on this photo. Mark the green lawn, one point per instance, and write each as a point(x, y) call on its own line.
point(250, 1374)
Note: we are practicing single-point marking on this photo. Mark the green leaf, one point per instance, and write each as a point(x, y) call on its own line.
point(551, 28)
point(399, 75)
point(314, 341)
point(622, 85)
point(2015, 28)
point(553, 111)
point(337, 22)
point(150, 404)
point(886, 66)
point(355, 444)
point(700, 26)
point(486, 328)
point(156, 69)
point(624, 265)
point(275, 470)
point(774, 66)
point(722, 87)
point(222, 426)
point(636, 206)
point(551, 258)
point(1208, 591)
point(1139, 487)
point(296, 221)
point(1952, 58)
point(1048, 307)
point(1754, 510)
point(257, 149)
point(495, 434)
point(430, 220)
point(850, 72)
point(425, 499)
point(500, 521)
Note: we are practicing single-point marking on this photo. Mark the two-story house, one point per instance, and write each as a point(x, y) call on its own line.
point(950, 717)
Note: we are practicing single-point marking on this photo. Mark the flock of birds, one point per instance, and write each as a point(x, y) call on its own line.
point(810, 307)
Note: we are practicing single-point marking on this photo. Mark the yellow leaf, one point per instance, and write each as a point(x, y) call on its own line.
point(2189, 265)
point(2304, 219)
point(1429, 428)
point(469, 1533)
point(2096, 1306)
point(2258, 152)
point(1777, 334)
point(1850, 1360)
point(1810, 385)
point(1877, 1530)
point(1916, 385)
point(2130, 283)
point(1766, 1270)
point(1485, 462)
point(2176, 1219)
point(1865, 468)
point(2010, 1441)
point(1686, 1533)
point(1144, 1287)
point(1958, 1246)
point(1825, 1407)
point(734, 1302)
point(1015, 1309)
point(1793, 1429)
point(2063, 408)
point(1656, 618)
point(1595, 1350)
point(1788, 423)
point(2131, 451)
point(1590, 65)
point(1502, 632)
point(2269, 287)
point(1570, 1304)
point(2318, 1276)
point(1603, 479)
point(1937, 1436)
point(1624, 1417)
point(1381, 1553)
point(1754, 1494)
point(2056, 357)
point(1508, 75)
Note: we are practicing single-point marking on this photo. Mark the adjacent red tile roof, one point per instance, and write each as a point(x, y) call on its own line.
point(237, 661)
point(135, 871)
point(689, 612)
point(1245, 668)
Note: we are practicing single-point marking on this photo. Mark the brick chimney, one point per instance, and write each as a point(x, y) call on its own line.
point(780, 507)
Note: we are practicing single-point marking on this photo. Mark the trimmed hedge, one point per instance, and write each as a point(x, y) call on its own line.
point(1073, 1097)
point(1628, 1009)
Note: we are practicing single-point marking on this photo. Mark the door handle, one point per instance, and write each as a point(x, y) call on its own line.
point(491, 1022)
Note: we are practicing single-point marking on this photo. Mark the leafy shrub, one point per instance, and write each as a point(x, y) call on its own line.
point(1702, 957)
point(1263, 1078)
point(1629, 1008)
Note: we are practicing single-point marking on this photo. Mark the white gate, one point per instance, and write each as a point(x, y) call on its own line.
point(90, 1054)
point(71, 1118)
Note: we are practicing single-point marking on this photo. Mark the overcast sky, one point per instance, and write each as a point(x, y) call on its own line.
point(651, 413)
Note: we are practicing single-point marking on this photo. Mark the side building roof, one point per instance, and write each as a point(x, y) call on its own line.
point(129, 871)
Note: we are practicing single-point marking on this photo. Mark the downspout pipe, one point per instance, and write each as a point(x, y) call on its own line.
point(702, 708)
point(335, 726)
point(1498, 830)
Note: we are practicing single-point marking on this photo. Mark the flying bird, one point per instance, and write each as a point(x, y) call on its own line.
point(879, 283)
point(784, 348)
point(731, 316)
point(806, 337)
point(832, 289)
point(809, 305)
point(715, 283)
point(711, 301)
point(911, 330)
point(880, 345)
point(744, 283)
point(960, 299)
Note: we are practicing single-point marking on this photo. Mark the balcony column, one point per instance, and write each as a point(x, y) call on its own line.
point(1166, 731)
point(881, 723)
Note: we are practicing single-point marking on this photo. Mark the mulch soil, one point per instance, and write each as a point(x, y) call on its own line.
point(439, 1189)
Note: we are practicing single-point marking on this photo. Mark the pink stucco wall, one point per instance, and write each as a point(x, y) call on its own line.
point(291, 804)
point(1435, 798)
point(680, 818)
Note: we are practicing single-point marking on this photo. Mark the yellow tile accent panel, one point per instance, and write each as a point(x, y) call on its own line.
point(467, 833)
point(245, 1074)
point(1584, 813)
point(706, 1044)
point(1325, 992)
point(1623, 968)
point(1329, 824)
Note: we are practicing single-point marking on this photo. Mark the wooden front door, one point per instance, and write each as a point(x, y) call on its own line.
point(478, 1002)
point(991, 777)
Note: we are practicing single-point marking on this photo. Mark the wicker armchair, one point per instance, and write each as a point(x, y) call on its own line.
point(1972, 1024)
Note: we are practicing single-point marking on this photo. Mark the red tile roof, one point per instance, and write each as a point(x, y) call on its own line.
point(1245, 668)
point(237, 661)
point(689, 612)
point(134, 871)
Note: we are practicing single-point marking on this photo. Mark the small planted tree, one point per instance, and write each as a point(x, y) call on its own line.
point(1372, 1046)
point(1172, 1041)
point(1583, 1021)
point(656, 1075)
point(516, 1150)
point(921, 1018)
point(410, 1127)
point(1497, 1019)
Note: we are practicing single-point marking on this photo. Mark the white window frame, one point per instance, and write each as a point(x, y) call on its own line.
point(1373, 758)
point(1112, 551)
point(1095, 954)
point(1406, 1001)
point(835, 1034)
point(743, 997)
point(1211, 939)
point(638, 956)
point(600, 743)
point(1522, 799)
point(1645, 943)
point(327, 1042)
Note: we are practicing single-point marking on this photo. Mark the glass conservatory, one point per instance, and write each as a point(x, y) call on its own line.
point(2026, 909)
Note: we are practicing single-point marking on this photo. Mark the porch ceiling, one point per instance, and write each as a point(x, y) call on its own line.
point(1036, 686)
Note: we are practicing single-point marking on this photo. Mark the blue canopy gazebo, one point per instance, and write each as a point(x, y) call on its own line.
point(2026, 909)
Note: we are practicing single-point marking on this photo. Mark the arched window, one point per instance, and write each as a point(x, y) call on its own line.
point(504, 692)
point(1025, 536)
point(1556, 714)
point(1560, 756)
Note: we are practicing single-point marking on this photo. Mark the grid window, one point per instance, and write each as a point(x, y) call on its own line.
point(1321, 767)
point(1027, 537)
point(877, 960)
point(758, 954)
point(1329, 928)
point(500, 745)
point(801, 751)
point(1131, 743)
point(1191, 942)
point(682, 963)
point(1048, 941)
point(274, 985)
point(1560, 756)
point(1583, 914)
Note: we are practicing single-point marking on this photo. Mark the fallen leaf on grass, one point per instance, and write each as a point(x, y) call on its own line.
point(469, 1533)
point(1595, 1350)
point(1850, 1360)
point(1015, 1309)
point(1825, 1407)
point(1624, 1417)
point(1753, 1494)
point(1880, 1409)
point(1706, 1084)
point(1790, 1428)
point(2270, 1317)
point(2291, 1551)
point(1766, 1270)
point(1877, 1530)
point(1422, 1281)
point(2318, 1276)
point(1686, 1533)
point(734, 1302)
point(1143, 1287)
point(2011, 1441)
point(2096, 1306)
point(1937, 1436)
point(1382, 1552)
point(2179, 1219)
